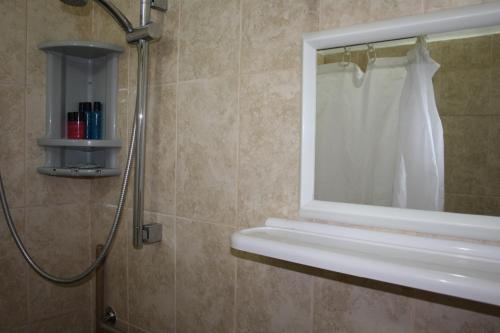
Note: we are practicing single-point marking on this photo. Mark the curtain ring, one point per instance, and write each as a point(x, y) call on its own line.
point(371, 54)
point(346, 57)
point(422, 40)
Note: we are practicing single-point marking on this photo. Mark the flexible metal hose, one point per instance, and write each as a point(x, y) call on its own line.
point(107, 244)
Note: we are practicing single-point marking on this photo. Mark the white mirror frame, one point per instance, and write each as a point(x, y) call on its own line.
point(439, 223)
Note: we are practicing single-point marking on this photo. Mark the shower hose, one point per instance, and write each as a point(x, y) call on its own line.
point(109, 239)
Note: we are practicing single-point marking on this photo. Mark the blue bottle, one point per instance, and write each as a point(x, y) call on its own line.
point(96, 122)
point(86, 109)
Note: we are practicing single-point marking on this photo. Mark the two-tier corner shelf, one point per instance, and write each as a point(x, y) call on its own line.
point(80, 71)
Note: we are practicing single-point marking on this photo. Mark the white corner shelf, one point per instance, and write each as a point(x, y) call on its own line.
point(83, 144)
point(80, 71)
point(455, 268)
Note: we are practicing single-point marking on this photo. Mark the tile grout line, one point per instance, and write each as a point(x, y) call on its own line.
point(178, 34)
point(25, 182)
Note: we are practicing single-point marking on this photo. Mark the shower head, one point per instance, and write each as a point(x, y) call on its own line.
point(79, 3)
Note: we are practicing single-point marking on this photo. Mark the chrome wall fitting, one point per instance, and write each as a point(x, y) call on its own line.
point(152, 233)
point(109, 317)
point(160, 5)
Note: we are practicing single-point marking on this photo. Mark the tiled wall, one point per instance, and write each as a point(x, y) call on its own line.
point(223, 154)
point(51, 213)
point(467, 96)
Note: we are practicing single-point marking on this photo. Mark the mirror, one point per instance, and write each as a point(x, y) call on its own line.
point(411, 123)
point(401, 123)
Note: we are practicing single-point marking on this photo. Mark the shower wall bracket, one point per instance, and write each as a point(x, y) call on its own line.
point(152, 233)
point(79, 71)
point(160, 5)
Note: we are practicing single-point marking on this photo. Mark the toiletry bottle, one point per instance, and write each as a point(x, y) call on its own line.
point(86, 109)
point(96, 122)
point(76, 125)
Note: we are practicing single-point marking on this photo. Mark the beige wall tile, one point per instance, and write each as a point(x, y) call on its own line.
point(464, 93)
point(51, 21)
point(493, 207)
point(134, 329)
point(466, 154)
point(35, 121)
point(494, 92)
point(494, 156)
point(105, 29)
point(160, 150)
point(23, 329)
point(209, 36)
point(432, 5)
point(386, 9)
point(13, 51)
point(207, 148)
point(163, 53)
point(76, 321)
point(106, 190)
point(271, 297)
point(204, 278)
point(435, 317)
point(58, 238)
point(116, 264)
point(12, 139)
point(152, 280)
point(467, 204)
point(472, 204)
point(457, 3)
point(47, 190)
point(465, 54)
point(340, 306)
point(272, 31)
point(13, 283)
point(334, 13)
point(269, 146)
point(339, 13)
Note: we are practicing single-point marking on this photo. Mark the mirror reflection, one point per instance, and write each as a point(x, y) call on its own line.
point(411, 123)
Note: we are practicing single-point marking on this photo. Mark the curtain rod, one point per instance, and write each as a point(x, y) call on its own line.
point(462, 34)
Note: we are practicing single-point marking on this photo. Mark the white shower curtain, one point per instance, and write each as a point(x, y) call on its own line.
point(367, 150)
point(419, 181)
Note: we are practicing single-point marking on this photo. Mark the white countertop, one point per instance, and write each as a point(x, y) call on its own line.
point(456, 268)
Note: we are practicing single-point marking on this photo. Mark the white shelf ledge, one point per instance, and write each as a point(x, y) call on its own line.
point(461, 269)
point(83, 144)
point(85, 49)
point(78, 172)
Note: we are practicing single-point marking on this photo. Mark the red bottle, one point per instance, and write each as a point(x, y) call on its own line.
point(76, 125)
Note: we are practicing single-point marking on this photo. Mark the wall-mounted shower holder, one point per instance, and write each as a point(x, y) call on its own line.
point(150, 31)
point(152, 233)
point(160, 5)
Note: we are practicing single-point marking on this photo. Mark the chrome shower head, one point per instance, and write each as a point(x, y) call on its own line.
point(79, 3)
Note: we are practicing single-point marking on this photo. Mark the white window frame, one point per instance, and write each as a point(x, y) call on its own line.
point(440, 223)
